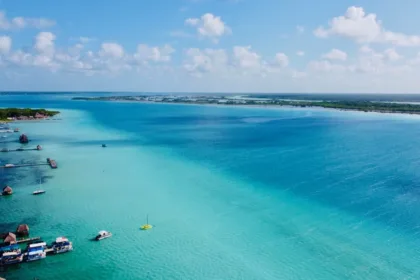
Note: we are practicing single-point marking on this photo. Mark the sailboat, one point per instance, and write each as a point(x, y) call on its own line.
point(39, 191)
point(147, 225)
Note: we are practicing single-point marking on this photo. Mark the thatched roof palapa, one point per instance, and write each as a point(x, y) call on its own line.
point(22, 230)
point(7, 190)
point(23, 139)
point(10, 237)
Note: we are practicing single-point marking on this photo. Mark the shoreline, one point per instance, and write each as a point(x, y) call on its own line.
point(9, 114)
point(262, 106)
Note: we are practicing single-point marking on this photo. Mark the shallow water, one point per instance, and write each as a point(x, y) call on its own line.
point(233, 193)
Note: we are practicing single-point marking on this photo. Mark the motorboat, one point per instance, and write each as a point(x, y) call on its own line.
point(9, 258)
point(102, 235)
point(10, 248)
point(10, 254)
point(38, 192)
point(61, 245)
point(36, 251)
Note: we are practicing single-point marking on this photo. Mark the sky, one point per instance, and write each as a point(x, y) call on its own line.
point(264, 46)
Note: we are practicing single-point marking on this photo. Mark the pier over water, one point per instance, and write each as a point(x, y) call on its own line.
point(52, 163)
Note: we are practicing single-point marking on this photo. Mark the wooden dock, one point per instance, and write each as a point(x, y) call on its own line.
point(18, 150)
point(19, 241)
point(23, 165)
point(52, 163)
point(49, 250)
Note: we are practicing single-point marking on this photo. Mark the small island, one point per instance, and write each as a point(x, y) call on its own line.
point(358, 105)
point(13, 114)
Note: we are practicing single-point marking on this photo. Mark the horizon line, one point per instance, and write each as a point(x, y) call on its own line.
point(192, 92)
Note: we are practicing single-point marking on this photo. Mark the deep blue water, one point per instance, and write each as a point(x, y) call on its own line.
point(365, 165)
point(359, 164)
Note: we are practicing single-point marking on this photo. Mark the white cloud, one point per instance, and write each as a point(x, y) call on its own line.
point(298, 74)
point(5, 44)
point(201, 61)
point(44, 43)
point(365, 49)
point(245, 57)
point(300, 53)
point(112, 50)
point(192, 21)
point(197, 61)
point(364, 28)
point(85, 40)
point(368, 65)
point(20, 58)
point(241, 61)
point(22, 22)
point(282, 59)
point(392, 55)
point(335, 54)
point(157, 54)
point(45, 61)
point(300, 29)
point(209, 26)
point(326, 66)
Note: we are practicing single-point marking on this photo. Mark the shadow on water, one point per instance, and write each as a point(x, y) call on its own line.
point(11, 226)
point(10, 268)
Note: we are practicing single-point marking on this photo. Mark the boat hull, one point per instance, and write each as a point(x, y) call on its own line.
point(99, 238)
point(38, 193)
point(62, 250)
point(11, 262)
point(38, 257)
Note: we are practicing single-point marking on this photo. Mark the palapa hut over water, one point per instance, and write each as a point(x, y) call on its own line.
point(7, 190)
point(23, 139)
point(10, 238)
point(22, 230)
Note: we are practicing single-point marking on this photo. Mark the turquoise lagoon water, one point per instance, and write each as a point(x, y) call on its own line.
point(233, 193)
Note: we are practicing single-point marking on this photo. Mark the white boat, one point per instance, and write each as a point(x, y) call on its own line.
point(11, 258)
point(102, 235)
point(39, 191)
point(36, 251)
point(62, 245)
point(9, 165)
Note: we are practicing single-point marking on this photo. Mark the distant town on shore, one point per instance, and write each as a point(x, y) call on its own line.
point(249, 100)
